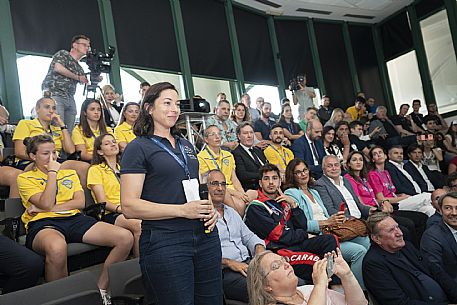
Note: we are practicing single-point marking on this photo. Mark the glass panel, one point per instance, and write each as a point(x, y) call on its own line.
point(269, 93)
point(405, 80)
point(131, 88)
point(441, 59)
point(209, 88)
point(32, 70)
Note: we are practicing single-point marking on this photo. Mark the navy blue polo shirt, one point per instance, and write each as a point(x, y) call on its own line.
point(264, 129)
point(163, 174)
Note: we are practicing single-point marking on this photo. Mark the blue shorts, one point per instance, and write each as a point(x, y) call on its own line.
point(72, 228)
point(110, 218)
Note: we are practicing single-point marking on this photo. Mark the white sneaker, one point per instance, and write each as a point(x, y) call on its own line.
point(106, 298)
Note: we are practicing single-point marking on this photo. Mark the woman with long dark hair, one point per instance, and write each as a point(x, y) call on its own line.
point(104, 182)
point(240, 113)
point(292, 130)
point(180, 252)
point(91, 125)
point(386, 192)
point(299, 186)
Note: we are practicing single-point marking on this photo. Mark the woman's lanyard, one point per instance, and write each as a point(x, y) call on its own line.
point(283, 158)
point(291, 128)
point(388, 183)
point(214, 159)
point(114, 172)
point(367, 187)
point(181, 163)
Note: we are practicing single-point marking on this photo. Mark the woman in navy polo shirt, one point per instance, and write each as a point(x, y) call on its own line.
point(180, 253)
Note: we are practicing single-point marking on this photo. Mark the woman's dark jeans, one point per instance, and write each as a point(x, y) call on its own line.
point(181, 266)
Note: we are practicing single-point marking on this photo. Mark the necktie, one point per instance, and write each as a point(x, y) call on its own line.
point(315, 154)
point(256, 159)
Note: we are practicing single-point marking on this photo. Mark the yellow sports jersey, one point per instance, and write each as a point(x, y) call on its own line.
point(102, 174)
point(30, 128)
point(34, 182)
point(279, 156)
point(225, 163)
point(124, 133)
point(355, 114)
point(79, 138)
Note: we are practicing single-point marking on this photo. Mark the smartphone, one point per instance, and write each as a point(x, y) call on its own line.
point(330, 263)
point(430, 137)
point(342, 207)
point(203, 190)
point(423, 137)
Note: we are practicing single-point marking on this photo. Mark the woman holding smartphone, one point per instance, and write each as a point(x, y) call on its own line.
point(180, 263)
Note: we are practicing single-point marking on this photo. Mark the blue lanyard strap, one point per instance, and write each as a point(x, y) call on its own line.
point(181, 163)
point(213, 158)
point(283, 158)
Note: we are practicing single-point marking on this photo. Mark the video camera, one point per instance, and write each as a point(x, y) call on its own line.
point(294, 83)
point(98, 63)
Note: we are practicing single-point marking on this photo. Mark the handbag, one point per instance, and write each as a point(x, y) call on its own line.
point(96, 211)
point(348, 230)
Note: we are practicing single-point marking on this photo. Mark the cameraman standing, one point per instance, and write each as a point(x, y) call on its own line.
point(63, 75)
point(303, 96)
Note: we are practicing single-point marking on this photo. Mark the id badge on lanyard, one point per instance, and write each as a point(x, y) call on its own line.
point(190, 185)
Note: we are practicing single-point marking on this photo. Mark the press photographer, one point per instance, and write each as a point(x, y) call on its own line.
point(63, 75)
point(302, 95)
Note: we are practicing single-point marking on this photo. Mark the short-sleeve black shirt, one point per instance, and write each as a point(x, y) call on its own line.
point(164, 175)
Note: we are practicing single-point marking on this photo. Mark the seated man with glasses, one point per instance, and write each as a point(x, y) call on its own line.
point(277, 219)
point(238, 243)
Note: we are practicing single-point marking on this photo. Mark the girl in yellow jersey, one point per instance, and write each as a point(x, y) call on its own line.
point(123, 132)
point(52, 198)
point(91, 125)
point(103, 179)
point(48, 121)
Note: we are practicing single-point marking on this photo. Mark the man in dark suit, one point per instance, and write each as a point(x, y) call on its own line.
point(334, 189)
point(248, 158)
point(395, 273)
point(439, 242)
point(402, 180)
point(310, 147)
point(427, 180)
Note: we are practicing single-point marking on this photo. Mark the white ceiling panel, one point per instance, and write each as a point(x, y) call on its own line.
point(331, 9)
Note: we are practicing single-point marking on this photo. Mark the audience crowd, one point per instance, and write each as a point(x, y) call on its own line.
point(278, 191)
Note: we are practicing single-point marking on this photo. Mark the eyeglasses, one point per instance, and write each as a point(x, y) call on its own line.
point(213, 134)
point(303, 172)
point(275, 265)
point(217, 183)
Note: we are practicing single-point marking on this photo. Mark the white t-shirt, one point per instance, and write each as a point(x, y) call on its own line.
point(333, 297)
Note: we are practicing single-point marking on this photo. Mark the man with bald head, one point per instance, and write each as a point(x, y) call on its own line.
point(310, 147)
point(238, 243)
point(436, 218)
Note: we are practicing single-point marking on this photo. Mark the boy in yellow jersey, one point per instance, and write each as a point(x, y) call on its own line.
point(276, 153)
point(52, 198)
